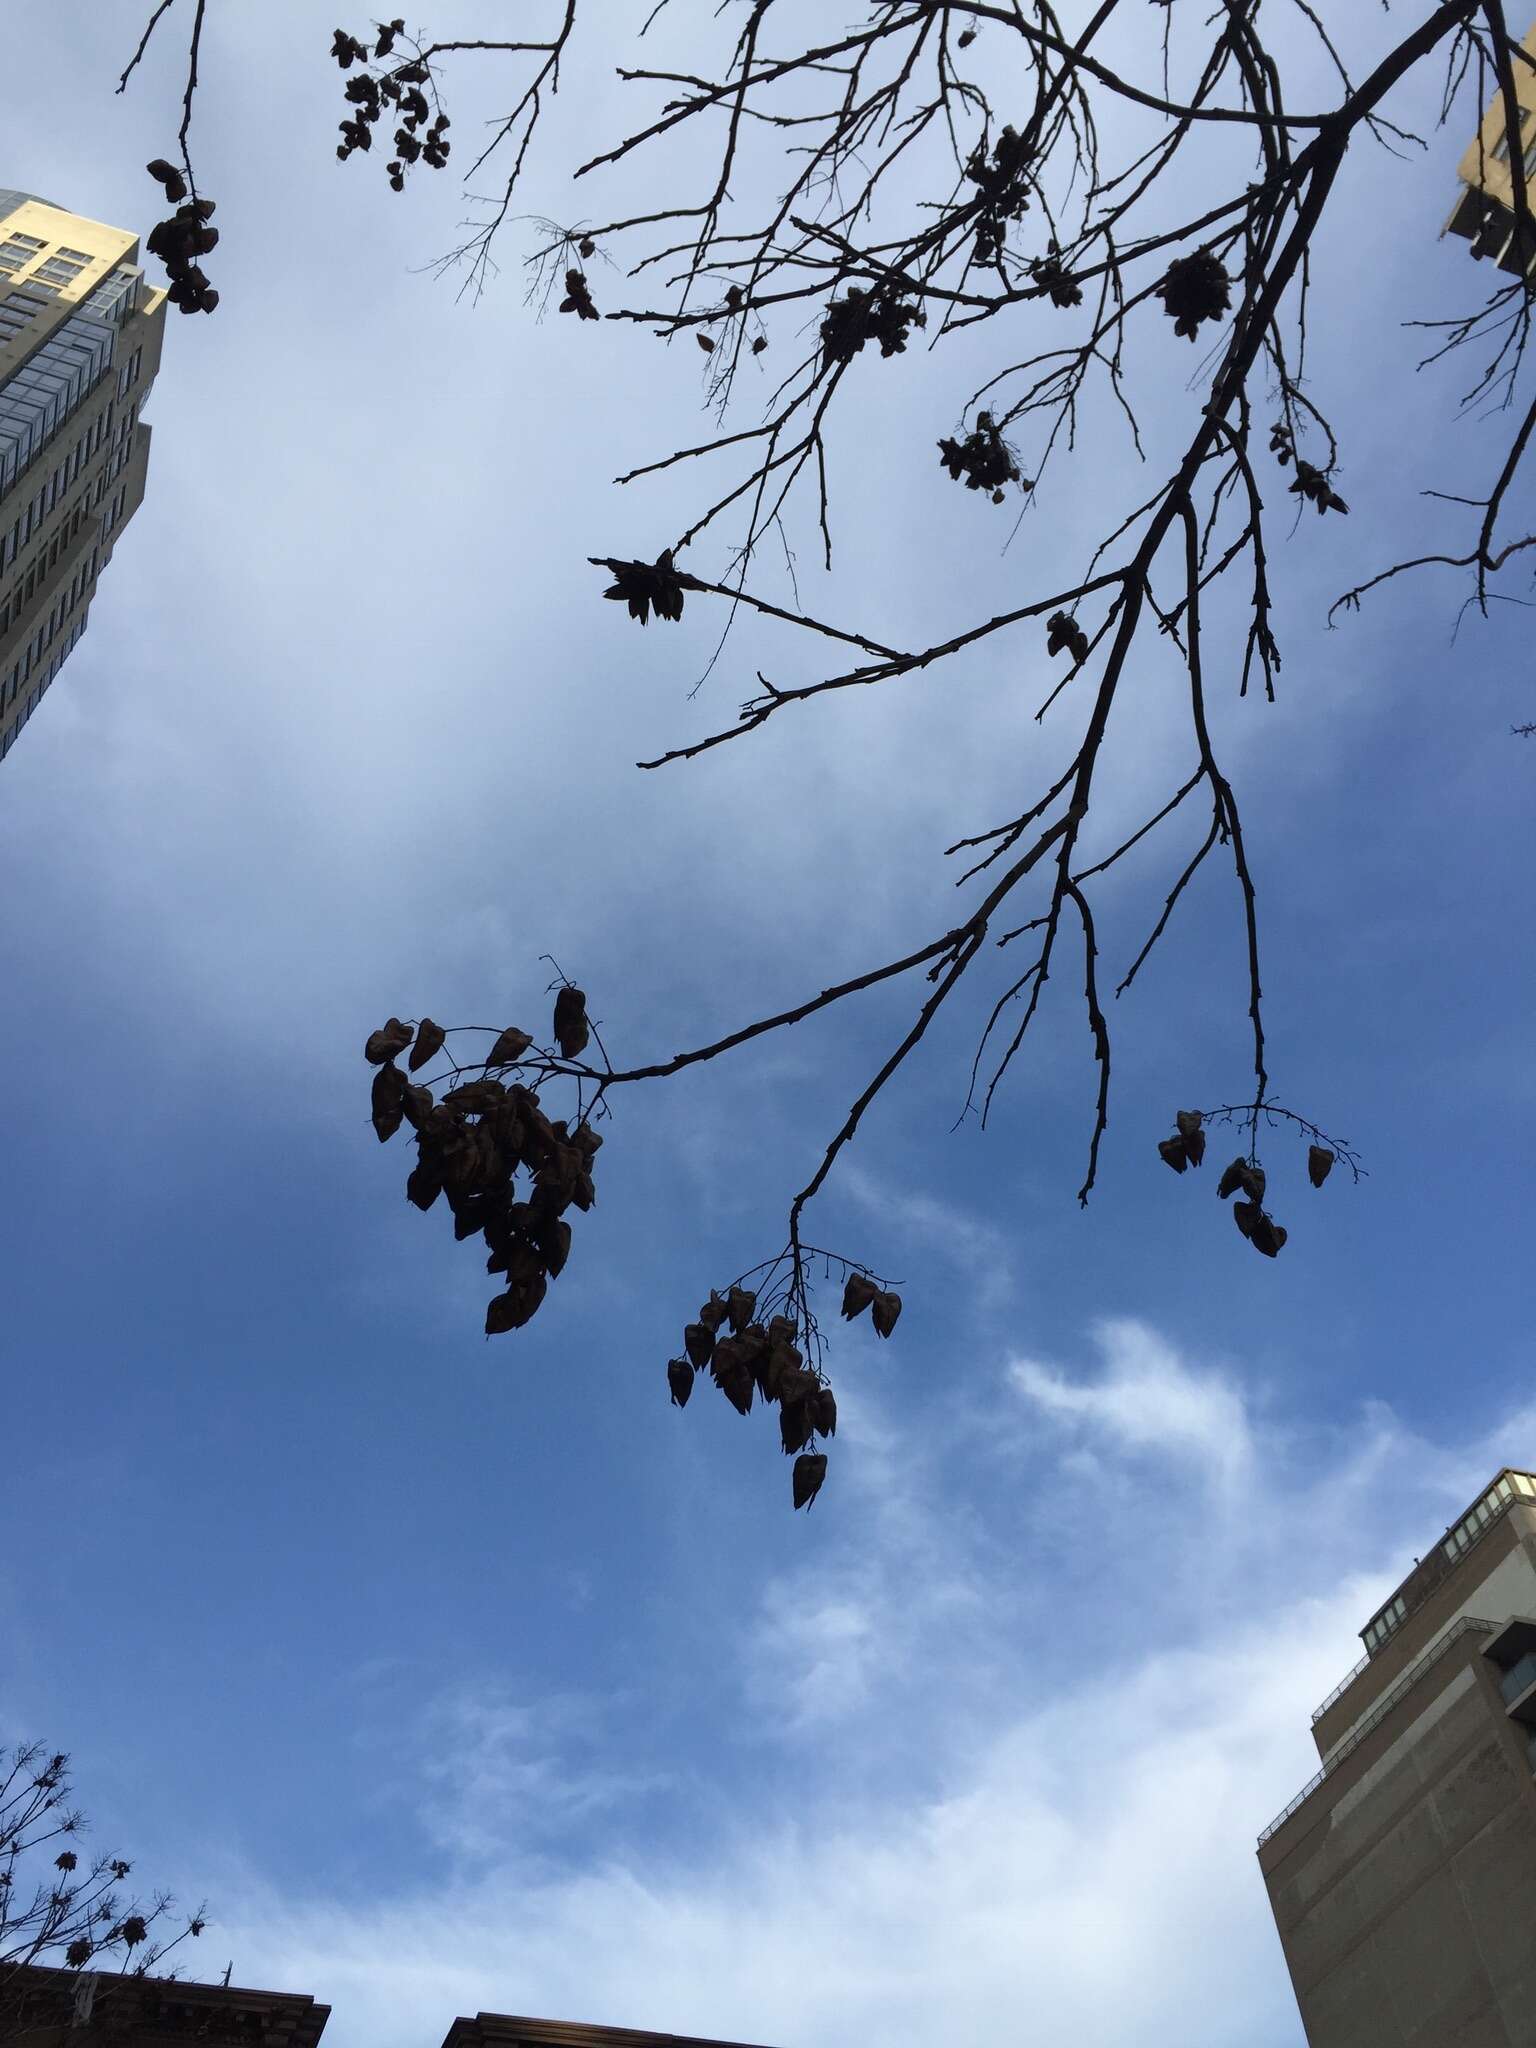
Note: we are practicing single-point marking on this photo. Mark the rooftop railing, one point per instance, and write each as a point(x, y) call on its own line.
point(1463, 1536)
point(1468, 1624)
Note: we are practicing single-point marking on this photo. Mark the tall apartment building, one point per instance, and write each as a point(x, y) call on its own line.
point(80, 336)
point(1403, 1877)
point(1484, 214)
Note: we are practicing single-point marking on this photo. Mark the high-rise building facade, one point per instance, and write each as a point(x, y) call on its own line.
point(1403, 1877)
point(80, 336)
point(1485, 212)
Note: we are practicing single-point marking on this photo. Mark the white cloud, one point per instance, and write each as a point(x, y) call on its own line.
point(1147, 1399)
point(966, 1813)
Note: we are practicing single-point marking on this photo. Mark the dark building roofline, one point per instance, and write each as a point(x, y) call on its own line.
point(508, 2030)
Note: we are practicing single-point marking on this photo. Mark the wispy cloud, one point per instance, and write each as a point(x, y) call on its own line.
point(1147, 1399)
point(503, 1777)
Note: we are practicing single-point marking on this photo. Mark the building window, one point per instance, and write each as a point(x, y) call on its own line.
point(59, 269)
point(18, 251)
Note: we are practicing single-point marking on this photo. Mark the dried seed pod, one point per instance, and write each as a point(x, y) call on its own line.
point(416, 1102)
point(733, 1376)
point(858, 1292)
point(474, 1098)
point(771, 1364)
point(1319, 1164)
point(824, 1411)
point(739, 1305)
point(1192, 1133)
point(754, 1347)
point(1261, 1231)
point(423, 1185)
point(383, 1044)
point(884, 1310)
point(1171, 1152)
point(571, 1033)
point(1240, 1174)
point(429, 1043)
point(793, 1386)
point(517, 1306)
point(1266, 1236)
point(699, 1343)
point(713, 1313)
point(795, 1426)
point(680, 1380)
point(809, 1474)
point(166, 174)
point(509, 1048)
point(781, 1330)
point(553, 1238)
point(388, 1114)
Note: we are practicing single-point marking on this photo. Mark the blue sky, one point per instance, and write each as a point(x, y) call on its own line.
point(460, 1675)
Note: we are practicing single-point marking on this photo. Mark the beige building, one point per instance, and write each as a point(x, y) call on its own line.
point(1403, 1877)
point(1484, 213)
point(80, 335)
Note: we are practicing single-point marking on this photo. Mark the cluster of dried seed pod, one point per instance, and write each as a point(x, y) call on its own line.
point(1311, 483)
point(1187, 1145)
point(861, 316)
point(1063, 631)
point(1244, 1176)
point(983, 460)
point(647, 587)
point(472, 1144)
point(1003, 182)
point(418, 139)
point(181, 238)
point(1195, 288)
point(578, 293)
point(746, 1357)
point(1052, 274)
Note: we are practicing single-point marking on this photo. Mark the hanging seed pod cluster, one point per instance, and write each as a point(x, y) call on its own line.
point(578, 296)
point(1054, 278)
point(860, 316)
point(1311, 483)
point(751, 1354)
point(1063, 632)
point(473, 1143)
point(1195, 289)
point(647, 587)
point(420, 136)
point(983, 461)
point(1245, 1177)
point(1003, 185)
point(181, 238)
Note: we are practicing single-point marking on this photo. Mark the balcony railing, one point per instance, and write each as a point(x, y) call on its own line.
point(1468, 1624)
point(1339, 1690)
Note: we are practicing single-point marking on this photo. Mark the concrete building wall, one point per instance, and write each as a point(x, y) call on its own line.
point(1406, 1905)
